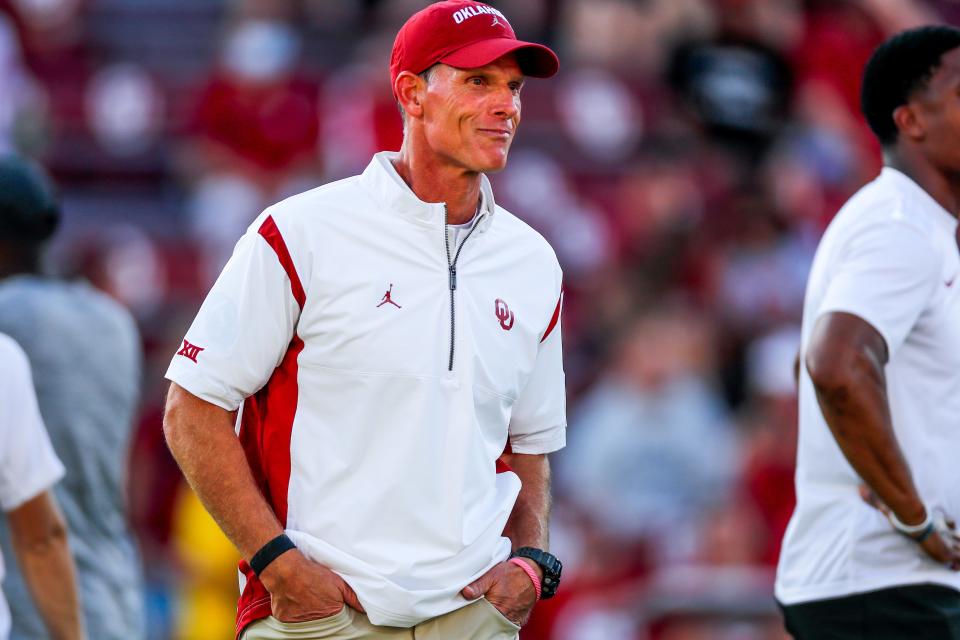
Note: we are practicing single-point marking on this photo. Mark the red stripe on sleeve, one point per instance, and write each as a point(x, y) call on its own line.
point(555, 319)
point(271, 234)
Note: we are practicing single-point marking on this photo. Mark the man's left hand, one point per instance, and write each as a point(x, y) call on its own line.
point(507, 588)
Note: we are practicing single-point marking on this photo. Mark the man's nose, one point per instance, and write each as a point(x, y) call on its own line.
point(505, 104)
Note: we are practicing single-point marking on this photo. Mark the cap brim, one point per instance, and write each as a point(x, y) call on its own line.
point(535, 60)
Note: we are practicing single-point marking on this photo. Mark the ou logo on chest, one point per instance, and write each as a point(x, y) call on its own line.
point(504, 315)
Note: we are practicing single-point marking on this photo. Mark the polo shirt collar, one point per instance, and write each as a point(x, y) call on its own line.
point(393, 193)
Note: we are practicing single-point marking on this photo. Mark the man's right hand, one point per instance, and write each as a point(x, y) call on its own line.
point(943, 545)
point(302, 590)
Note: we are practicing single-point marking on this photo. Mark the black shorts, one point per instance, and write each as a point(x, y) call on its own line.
point(913, 612)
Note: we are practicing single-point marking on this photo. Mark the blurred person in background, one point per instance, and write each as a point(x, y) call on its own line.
point(647, 479)
point(255, 135)
point(760, 277)
point(56, 48)
point(21, 99)
point(28, 470)
point(651, 447)
point(386, 338)
point(769, 423)
point(871, 551)
point(85, 352)
point(735, 84)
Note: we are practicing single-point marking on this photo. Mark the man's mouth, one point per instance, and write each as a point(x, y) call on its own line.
point(502, 134)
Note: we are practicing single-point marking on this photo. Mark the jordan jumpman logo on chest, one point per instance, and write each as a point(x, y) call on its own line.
point(388, 299)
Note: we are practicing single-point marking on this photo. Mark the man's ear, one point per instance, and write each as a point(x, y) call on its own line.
point(409, 89)
point(909, 121)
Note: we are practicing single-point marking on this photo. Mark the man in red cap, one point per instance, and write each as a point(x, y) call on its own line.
point(382, 467)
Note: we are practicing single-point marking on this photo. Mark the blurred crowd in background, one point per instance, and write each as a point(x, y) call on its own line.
point(683, 164)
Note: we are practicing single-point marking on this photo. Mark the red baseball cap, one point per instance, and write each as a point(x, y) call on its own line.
point(465, 35)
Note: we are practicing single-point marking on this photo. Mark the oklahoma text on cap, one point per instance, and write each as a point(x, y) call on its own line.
point(465, 35)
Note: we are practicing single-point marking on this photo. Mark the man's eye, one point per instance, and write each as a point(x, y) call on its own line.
point(476, 81)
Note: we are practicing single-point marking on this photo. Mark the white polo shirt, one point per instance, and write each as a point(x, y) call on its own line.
point(28, 464)
point(889, 257)
point(376, 399)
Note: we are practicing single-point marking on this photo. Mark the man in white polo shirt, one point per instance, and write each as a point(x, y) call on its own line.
point(391, 343)
point(38, 532)
point(870, 552)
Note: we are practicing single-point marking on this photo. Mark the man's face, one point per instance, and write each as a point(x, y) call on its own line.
point(938, 106)
point(471, 115)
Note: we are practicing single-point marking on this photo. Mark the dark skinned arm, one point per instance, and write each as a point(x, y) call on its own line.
point(845, 360)
point(38, 534)
point(506, 586)
point(201, 438)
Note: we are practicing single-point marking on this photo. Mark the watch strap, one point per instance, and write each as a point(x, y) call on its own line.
point(270, 552)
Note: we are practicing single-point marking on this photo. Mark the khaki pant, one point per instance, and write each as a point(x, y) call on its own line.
point(476, 621)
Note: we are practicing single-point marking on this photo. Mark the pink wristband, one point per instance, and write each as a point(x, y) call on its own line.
point(527, 569)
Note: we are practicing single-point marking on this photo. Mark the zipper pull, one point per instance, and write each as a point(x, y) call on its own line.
point(453, 278)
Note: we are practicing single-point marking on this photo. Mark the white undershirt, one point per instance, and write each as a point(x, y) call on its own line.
point(457, 230)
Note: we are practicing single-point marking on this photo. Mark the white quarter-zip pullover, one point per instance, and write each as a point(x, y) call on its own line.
point(382, 369)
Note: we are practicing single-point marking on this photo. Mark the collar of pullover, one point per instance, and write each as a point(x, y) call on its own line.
point(390, 189)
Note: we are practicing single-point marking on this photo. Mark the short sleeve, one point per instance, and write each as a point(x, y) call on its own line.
point(28, 464)
point(538, 423)
point(246, 323)
point(886, 276)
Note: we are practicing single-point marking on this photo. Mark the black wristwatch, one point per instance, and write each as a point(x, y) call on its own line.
point(551, 569)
